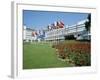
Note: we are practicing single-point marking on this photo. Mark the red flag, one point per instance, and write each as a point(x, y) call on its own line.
point(33, 34)
point(61, 25)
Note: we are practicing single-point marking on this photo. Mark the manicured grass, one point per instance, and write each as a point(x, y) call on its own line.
point(41, 55)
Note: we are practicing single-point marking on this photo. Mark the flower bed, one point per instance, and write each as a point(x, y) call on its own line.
point(74, 53)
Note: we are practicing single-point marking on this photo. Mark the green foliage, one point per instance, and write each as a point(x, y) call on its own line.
point(70, 37)
point(88, 23)
point(75, 53)
point(80, 59)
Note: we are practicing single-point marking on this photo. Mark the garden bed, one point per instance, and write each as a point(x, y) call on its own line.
point(77, 53)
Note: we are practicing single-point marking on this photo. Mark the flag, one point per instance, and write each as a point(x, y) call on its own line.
point(33, 34)
point(61, 25)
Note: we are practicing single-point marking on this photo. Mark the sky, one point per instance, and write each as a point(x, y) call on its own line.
point(41, 19)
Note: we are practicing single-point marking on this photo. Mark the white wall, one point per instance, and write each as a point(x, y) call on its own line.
point(5, 39)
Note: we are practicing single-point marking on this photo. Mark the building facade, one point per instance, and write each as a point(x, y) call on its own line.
point(57, 31)
point(78, 30)
point(29, 34)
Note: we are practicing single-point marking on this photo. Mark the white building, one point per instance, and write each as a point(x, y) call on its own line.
point(29, 34)
point(58, 32)
point(78, 30)
point(55, 34)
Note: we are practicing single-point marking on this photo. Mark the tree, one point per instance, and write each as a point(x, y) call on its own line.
point(88, 23)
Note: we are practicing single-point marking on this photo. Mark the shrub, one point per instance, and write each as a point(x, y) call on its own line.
point(80, 59)
point(77, 53)
point(70, 37)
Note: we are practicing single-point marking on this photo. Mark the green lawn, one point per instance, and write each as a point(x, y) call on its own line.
point(39, 55)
